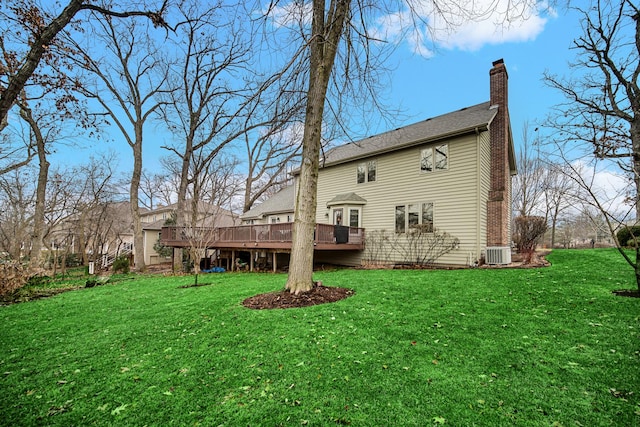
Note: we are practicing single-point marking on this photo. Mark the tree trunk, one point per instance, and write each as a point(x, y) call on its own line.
point(138, 241)
point(246, 205)
point(323, 44)
point(637, 267)
point(553, 233)
point(635, 146)
point(37, 233)
point(38, 217)
point(180, 208)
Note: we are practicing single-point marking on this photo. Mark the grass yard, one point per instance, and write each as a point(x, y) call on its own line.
point(537, 347)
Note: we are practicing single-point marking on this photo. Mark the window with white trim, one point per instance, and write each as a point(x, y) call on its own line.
point(434, 158)
point(354, 217)
point(366, 171)
point(401, 221)
point(414, 215)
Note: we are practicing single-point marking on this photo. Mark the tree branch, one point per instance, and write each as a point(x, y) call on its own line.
point(44, 39)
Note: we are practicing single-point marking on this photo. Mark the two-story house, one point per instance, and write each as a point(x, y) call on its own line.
point(448, 177)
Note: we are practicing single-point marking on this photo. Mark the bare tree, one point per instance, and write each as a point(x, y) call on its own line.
point(270, 158)
point(328, 27)
point(541, 187)
point(528, 186)
point(559, 195)
point(212, 107)
point(17, 196)
point(221, 184)
point(208, 210)
point(45, 106)
point(44, 28)
point(204, 109)
point(156, 190)
point(601, 117)
point(78, 204)
point(97, 207)
point(42, 129)
point(127, 84)
point(40, 142)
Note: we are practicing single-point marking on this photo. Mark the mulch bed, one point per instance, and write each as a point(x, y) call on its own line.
point(319, 294)
point(631, 293)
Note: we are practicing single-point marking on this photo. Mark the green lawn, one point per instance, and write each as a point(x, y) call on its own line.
point(535, 347)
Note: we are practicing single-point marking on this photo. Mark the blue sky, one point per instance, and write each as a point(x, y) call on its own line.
point(454, 74)
point(455, 78)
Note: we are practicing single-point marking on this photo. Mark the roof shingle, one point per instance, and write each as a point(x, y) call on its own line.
point(461, 121)
point(282, 201)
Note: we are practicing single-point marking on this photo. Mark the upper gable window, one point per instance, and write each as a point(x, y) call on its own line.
point(434, 158)
point(366, 171)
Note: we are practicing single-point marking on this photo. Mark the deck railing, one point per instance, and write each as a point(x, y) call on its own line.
point(258, 233)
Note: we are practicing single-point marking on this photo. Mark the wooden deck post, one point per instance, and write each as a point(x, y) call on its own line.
point(233, 260)
point(275, 261)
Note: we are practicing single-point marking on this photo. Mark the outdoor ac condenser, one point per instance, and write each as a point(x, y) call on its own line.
point(500, 255)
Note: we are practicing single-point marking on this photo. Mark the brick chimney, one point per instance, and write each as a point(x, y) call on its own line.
point(499, 203)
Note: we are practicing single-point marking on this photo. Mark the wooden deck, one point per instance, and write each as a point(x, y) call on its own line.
point(261, 236)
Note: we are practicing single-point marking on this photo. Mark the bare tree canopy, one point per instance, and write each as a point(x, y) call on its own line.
point(44, 34)
point(602, 111)
point(529, 185)
point(126, 80)
point(599, 124)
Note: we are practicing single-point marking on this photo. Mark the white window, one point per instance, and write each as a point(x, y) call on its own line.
point(337, 216)
point(434, 158)
point(354, 217)
point(366, 171)
point(414, 215)
point(401, 222)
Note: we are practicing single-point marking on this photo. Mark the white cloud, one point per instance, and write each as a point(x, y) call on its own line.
point(609, 187)
point(466, 25)
point(291, 14)
point(474, 35)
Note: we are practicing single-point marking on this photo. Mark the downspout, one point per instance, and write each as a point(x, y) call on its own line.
point(478, 193)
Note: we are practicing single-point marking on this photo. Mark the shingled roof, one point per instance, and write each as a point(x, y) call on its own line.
point(281, 202)
point(351, 198)
point(450, 124)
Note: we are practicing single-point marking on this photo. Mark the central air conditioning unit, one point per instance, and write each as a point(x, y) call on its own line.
point(499, 255)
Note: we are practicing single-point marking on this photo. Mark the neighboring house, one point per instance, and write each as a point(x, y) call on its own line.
point(153, 220)
point(450, 173)
point(277, 208)
point(103, 229)
point(106, 231)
